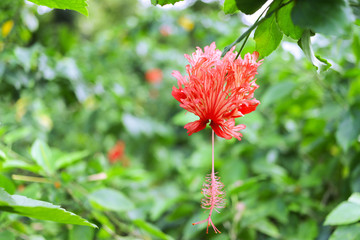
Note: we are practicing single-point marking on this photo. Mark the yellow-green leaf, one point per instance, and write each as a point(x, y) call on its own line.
point(39, 209)
point(285, 23)
point(76, 5)
point(267, 35)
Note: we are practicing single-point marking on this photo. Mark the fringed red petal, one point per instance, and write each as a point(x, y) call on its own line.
point(195, 126)
point(218, 90)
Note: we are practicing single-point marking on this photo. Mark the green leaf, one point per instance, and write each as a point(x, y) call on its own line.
point(326, 65)
point(261, 166)
point(247, 184)
point(355, 6)
point(230, 7)
point(351, 232)
point(41, 153)
point(307, 230)
point(38, 209)
point(285, 23)
point(356, 47)
point(70, 158)
point(7, 184)
point(111, 199)
point(347, 132)
point(164, 2)
point(322, 16)
point(25, 57)
point(267, 227)
point(277, 92)
point(2, 155)
point(345, 213)
point(17, 134)
point(7, 235)
point(267, 35)
point(76, 5)
point(355, 198)
point(81, 232)
point(153, 230)
point(13, 163)
point(249, 6)
point(183, 117)
point(247, 33)
point(305, 44)
point(181, 211)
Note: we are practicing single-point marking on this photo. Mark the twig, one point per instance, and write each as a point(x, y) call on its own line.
point(245, 34)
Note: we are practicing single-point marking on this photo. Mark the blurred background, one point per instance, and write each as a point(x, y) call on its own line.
point(95, 93)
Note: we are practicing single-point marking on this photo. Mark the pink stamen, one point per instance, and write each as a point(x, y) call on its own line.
point(213, 194)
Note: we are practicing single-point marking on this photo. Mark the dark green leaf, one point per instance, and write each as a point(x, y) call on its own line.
point(305, 44)
point(38, 209)
point(345, 213)
point(267, 35)
point(111, 199)
point(77, 5)
point(322, 16)
point(153, 230)
point(355, 6)
point(351, 232)
point(164, 2)
point(284, 21)
point(249, 6)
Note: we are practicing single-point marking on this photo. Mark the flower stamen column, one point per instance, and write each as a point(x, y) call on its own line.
point(213, 194)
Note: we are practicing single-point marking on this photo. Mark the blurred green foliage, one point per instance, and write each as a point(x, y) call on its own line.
point(72, 87)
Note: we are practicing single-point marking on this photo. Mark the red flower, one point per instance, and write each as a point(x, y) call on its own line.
point(154, 75)
point(116, 152)
point(218, 90)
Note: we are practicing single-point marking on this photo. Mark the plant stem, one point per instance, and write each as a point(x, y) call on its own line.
point(30, 178)
point(245, 34)
point(247, 37)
